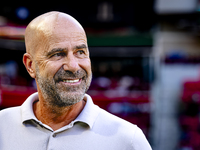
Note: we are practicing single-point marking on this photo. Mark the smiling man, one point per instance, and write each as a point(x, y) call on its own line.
point(61, 115)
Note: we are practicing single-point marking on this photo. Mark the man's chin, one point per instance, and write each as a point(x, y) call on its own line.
point(71, 98)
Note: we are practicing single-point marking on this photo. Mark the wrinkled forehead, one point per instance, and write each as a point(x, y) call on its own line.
point(65, 30)
point(63, 35)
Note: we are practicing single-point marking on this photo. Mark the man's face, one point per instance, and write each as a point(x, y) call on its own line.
point(63, 67)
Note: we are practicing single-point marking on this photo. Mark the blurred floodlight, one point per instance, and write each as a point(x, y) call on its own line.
point(22, 13)
point(175, 6)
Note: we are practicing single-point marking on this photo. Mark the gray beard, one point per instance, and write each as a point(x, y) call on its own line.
point(58, 95)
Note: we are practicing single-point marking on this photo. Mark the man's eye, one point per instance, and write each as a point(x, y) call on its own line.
point(58, 54)
point(81, 52)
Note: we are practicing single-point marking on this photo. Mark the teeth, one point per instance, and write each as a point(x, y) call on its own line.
point(71, 81)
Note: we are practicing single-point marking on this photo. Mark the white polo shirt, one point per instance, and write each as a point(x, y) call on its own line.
point(93, 129)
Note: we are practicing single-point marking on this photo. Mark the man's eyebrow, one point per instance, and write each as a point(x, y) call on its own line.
point(82, 46)
point(55, 50)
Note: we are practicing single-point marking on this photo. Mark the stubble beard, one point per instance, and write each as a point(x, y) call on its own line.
point(58, 95)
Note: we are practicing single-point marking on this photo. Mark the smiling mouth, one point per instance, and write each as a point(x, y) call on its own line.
point(71, 81)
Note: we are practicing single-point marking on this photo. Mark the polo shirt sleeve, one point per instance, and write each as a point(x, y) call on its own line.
point(139, 141)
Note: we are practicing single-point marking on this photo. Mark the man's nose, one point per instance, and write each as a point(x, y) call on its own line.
point(71, 63)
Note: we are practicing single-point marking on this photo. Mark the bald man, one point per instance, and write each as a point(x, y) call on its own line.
point(61, 115)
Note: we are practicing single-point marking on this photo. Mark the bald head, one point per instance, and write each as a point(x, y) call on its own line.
point(49, 27)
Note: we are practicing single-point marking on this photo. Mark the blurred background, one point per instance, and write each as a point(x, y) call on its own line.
point(145, 59)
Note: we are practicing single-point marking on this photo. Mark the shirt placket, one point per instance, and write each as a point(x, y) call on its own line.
point(54, 141)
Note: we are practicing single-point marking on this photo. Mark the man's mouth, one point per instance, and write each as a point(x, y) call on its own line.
point(71, 80)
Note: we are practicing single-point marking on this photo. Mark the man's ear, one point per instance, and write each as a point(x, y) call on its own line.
point(28, 62)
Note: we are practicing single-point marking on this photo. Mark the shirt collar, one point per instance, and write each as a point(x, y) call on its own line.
point(88, 114)
point(27, 108)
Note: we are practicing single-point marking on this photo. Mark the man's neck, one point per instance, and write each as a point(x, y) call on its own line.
point(56, 117)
